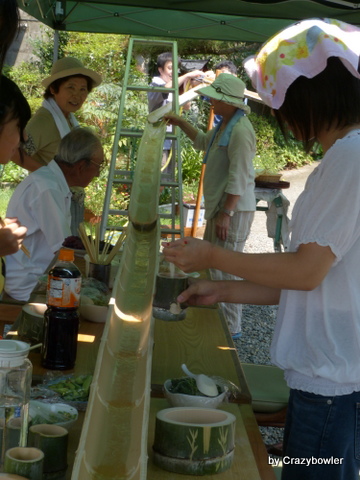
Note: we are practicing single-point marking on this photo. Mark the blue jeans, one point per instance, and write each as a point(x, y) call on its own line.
point(322, 437)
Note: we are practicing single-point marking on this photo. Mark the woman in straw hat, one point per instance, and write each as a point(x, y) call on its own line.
point(66, 90)
point(229, 176)
point(309, 75)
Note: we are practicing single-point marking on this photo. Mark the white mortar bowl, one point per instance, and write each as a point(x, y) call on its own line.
point(183, 400)
point(53, 413)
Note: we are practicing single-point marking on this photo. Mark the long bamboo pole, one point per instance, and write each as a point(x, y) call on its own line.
point(201, 182)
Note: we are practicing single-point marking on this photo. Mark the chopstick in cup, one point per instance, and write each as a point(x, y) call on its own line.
point(107, 245)
point(23, 248)
point(87, 243)
point(116, 247)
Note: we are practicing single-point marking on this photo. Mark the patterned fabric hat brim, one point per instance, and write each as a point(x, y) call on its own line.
point(301, 50)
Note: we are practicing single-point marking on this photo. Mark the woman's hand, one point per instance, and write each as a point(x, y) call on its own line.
point(200, 292)
point(190, 76)
point(189, 254)
point(194, 74)
point(209, 75)
point(90, 217)
point(12, 235)
point(185, 126)
point(208, 292)
point(222, 225)
point(174, 119)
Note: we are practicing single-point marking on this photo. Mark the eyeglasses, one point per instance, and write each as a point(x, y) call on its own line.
point(101, 165)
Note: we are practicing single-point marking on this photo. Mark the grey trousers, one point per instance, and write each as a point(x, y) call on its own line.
point(240, 225)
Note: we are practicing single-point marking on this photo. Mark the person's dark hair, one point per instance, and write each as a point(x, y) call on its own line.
point(163, 58)
point(79, 144)
point(330, 99)
point(13, 105)
point(9, 26)
point(56, 84)
point(226, 64)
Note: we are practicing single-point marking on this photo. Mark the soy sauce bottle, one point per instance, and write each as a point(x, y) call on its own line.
point(61, 319)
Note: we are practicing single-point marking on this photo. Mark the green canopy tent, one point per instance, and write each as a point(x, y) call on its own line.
point(230, 20)
point(237, 20)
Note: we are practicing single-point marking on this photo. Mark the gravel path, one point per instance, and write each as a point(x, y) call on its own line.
point(258, 321)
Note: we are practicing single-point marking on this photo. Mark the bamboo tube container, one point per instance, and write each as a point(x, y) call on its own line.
point(113, 443)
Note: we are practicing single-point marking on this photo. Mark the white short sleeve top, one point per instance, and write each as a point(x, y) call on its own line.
point(317, 335)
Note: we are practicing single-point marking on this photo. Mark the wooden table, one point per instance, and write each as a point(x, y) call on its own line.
point(88, 345)
point(203, 342)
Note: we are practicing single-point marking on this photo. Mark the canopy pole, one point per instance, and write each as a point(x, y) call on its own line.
point(56, 46)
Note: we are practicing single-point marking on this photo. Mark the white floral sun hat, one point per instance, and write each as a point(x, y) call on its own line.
point(301, 50)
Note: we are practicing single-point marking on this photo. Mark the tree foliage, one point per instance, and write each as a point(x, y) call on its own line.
point(273, 153)
point(107, 55)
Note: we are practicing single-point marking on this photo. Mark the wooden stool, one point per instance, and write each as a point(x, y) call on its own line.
point(270, 394)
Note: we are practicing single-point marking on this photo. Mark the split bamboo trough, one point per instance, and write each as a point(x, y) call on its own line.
point(113, 443)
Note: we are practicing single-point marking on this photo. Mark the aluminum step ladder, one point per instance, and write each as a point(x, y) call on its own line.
point(126, 141)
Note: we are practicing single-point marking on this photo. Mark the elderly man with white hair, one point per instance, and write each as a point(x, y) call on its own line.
point(42, 203)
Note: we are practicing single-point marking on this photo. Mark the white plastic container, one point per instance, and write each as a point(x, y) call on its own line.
point(189, 212)
point(15, 383)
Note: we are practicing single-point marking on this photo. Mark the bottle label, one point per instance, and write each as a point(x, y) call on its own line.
point(63, 292)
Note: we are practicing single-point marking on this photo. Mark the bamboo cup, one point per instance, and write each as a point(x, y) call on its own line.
point(25, 461)
point(53, 441)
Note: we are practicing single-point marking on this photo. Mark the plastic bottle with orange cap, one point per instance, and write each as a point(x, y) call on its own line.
point(61, 319)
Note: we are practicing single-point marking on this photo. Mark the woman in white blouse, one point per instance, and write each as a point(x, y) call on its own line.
point(309, 75)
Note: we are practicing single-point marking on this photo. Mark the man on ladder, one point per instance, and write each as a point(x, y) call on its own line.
point(158, 99)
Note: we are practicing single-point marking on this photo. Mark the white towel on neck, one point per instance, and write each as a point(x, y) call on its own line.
point(59, 118)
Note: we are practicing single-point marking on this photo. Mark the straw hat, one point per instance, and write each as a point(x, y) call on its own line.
point(228, 89)
point(69, 66)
